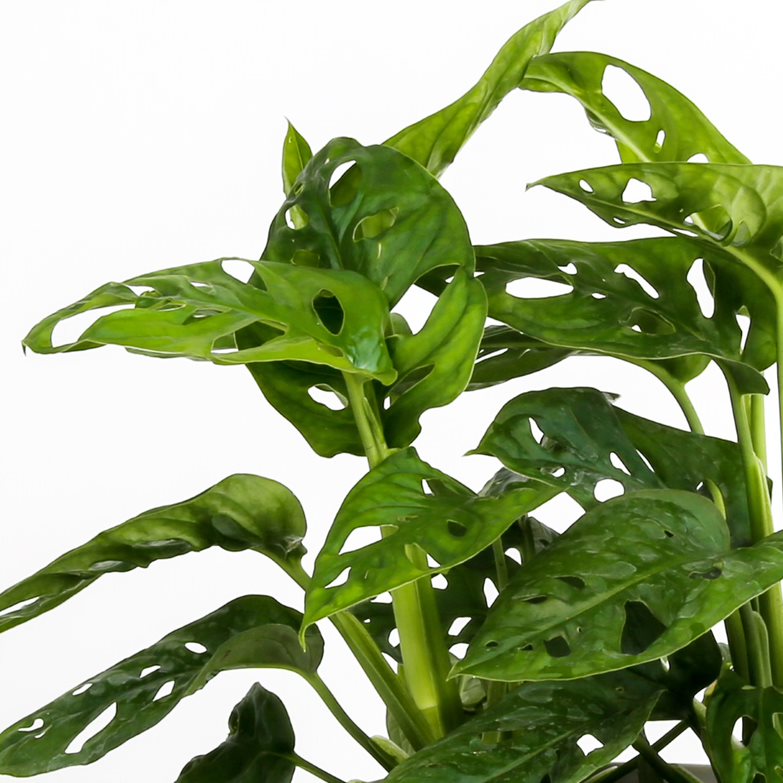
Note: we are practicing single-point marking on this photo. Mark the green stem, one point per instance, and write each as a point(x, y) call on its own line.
point(426, 663)
point(496, 690)
point(308, 766)
point(664, 769)
point(345, 720)
point(761, 524)
point(758, 427)
point(756, 633)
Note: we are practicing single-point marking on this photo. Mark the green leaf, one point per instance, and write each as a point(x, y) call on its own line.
point(435, 364)
point(762, 755)
point(249, 632)
point(296, 155)
point(259, 746)
point(435, 141)
point(544, 723)
point(606, 311)
point(586, 439)
point(424, 514)
point(335, 318)
point(675, 130)
point(633, 580)
point(374, 211)
point(240, 512)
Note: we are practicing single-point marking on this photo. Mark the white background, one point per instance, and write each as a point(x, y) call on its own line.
point(139, 135)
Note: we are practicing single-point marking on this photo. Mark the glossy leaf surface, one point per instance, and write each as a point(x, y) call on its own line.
point(374, 211)
point(259, 746)
point(425, 514)
point(249, 632)
point(633, 580)
point(296, 155)
point(241, 512)
point(544, 723)
point(435, 141)
point(627, 299)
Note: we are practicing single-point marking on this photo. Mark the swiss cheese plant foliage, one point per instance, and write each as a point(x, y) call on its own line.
point(595, 631)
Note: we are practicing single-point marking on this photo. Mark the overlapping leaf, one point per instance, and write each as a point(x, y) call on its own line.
point(336, 318)
point(249, 632)
point(633, 580)
point(585, 439)
point(435, 141)
point(259, 747)
point(654, 315)
point(240, 512)
point(371, 210)
point(423, 512)
point(544, 723)
point(762, 756)
point(296, 155)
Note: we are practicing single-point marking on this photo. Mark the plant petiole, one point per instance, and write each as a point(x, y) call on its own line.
point(308, 766)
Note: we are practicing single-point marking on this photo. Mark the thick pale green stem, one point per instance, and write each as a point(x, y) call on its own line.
point(425, 657)
point(758, 428)
point(308, 766)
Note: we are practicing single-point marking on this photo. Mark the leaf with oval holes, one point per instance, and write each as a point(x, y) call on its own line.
point(336, 318)
point(761, 756)
point(627, 299)
point(249, 632)
point(633, 580)
point(446, 528)
point(435, 364)
point(259, 747)
point(543, 724)
point(583, 440)
point(241, 512)
point(435, 141)
point(374, 211)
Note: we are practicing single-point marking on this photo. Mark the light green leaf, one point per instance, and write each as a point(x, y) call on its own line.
point(675, 130)
point(585, 440)
point(626, 299)
point(543, 723)
point(240, 512)
point(336, 318)
point(424, 514)
point(435, 141)
point(374, 211)
point(296, 155)
point(259, 747)
point(633, 580)
point(762, 755)
point(249, 632)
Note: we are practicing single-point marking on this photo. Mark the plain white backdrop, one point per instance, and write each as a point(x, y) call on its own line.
point(140, 135)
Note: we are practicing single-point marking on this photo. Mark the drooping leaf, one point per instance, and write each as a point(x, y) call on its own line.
point(259, 746)
point(675, 130)
point(544, 723)
point(374, 211)
point(296, 155)
point(249, 632)
point(195, 311)
point(633, 580)
point(435, 364)
point(241, 512)
point(627, 299)
point(585, 440)
point(425, 515)
point(730, 701)
point(435, 141)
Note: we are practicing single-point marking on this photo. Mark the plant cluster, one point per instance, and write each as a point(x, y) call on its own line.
point(596, 631)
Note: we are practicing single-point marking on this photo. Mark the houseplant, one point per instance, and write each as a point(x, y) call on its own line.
point(637, 612)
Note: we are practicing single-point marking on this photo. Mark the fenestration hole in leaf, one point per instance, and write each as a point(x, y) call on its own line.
point(637, 191)
point(306, 258)
point(573, 581)
point(617, 462)
point(458, 626)
point(699, 157)
point(341, 578)
point(238, 269)
point(588, 743)
point(344, 183)
point(641, 629)
point(165, 690)
point(329, 311)
point(81, 689)
point(536, 288)
point(91, 730)
point(373, 226)
point(70, 329)
point(327, 397)
point(557, 647)
point(606, 489)
point(624, 92)
point(34, 726)
point(457, 529)
point(586, 186)
point(536, 431)
point(642, 282)
point(710, 573)
point(698, 282)
point(296, 218)
point(16, 607)
point(195, 647)
point(536, 599)
point(660, 139)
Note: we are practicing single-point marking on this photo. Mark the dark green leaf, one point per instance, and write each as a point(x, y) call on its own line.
point(633, 580)
point(296, 155)
point(196, 311)
point(435, 141)
point(675, 130)
point(259, 746)
point(249, 632)
point(435, 364)
point(425, 515)
point(374, 211)
point(544, 723)
point(606, 310)
point(240, 512)
point(762, 755)
point(586, 440)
